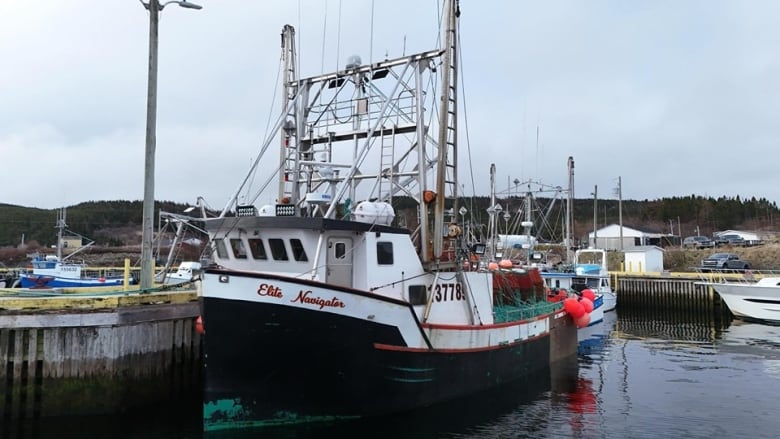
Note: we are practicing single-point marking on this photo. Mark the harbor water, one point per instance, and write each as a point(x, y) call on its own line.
point(637, 375)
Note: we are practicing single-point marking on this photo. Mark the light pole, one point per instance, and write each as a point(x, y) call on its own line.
point(595, 212)
point(154, 7)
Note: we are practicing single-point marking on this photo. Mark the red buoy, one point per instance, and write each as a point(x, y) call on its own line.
point(587, 304)
point(590, 294)
point(583, 320)
point(574, 308)
point(199, 325)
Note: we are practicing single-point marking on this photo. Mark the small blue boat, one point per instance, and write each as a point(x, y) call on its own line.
point(54, 271)
point(50, 272)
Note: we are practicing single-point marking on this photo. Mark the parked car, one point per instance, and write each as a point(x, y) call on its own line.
point(723, 261)
point(697, 242)
point(734, 240)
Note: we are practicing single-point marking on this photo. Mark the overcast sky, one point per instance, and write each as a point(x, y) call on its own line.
point(676, 97)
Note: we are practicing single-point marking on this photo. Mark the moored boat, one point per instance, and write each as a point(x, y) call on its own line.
point(589, 271)
point(318, 309)
point(590, 268)
point(752, 301)
point(56, 271)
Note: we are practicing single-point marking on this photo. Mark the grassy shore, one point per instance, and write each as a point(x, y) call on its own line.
point(761, 257)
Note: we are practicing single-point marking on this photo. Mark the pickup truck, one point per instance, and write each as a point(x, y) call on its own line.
point(734, 240)
point(721, 261)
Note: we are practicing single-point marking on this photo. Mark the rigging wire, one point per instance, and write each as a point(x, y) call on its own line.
point(466, 125)
point(371, 37)
point(338, 37)
point(268, 122)
point(298, 33)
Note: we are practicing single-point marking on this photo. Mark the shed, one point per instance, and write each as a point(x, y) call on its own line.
point(643, 259)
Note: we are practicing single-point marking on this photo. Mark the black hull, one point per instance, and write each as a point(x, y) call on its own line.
point(291, 365)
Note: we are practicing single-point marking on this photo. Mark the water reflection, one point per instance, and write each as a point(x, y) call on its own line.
point(470, 417)
point(637, 374)
point(669, 325)
point(754, 342)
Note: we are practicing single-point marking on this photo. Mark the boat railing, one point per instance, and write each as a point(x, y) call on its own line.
point(106, 271)
point(523, 310)
point(726, 275)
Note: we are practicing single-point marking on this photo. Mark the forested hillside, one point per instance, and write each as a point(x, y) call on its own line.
point(681, 216)
point(118, 223)
point(108, 223)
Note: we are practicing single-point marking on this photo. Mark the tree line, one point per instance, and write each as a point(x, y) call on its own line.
point(90, 219)
point(117, 223)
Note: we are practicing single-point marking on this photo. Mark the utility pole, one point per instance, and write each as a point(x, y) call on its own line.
point(147, 272)
point(620, 210)
point(569, 212)
point(595, 212)
point(679, 230)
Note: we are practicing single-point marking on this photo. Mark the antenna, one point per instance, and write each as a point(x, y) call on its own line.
point(537, 151)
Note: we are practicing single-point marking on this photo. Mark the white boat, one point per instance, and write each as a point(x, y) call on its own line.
point(187, 271)
point(752, 301)
point(588, 272)
point(319, 308)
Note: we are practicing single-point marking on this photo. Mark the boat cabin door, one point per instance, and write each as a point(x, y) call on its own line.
point(339, 269)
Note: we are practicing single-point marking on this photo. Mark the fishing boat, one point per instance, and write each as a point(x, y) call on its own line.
point(588, 272)
point(57, 271)
point(590, 269)
point(319, 307)
point(586, 269)
point(186, 271)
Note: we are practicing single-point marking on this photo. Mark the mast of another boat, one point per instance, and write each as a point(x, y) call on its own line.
point(492, 230)
point(527, 224)
point(569, 212)
point(60, 227)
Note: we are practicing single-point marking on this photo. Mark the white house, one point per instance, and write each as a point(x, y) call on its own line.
point(608, 237)
point(644, 259)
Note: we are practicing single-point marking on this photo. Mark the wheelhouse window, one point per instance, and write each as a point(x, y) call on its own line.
point(278, 250)
point(221, 248)
point(418, 294)
point(384, 253)
point(239, 250)
point(340, 252)
point(299, 254)
point(257, 248)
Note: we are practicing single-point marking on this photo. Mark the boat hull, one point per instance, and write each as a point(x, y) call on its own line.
point(610, 299)
point(597, 315)
point(752, 302)
point(293, 365)
point(42, 281)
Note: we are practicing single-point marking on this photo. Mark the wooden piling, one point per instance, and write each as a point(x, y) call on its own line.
point(671, 292)
point(96, 355)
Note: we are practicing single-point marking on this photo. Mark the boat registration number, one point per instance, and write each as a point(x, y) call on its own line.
point(448, 292)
